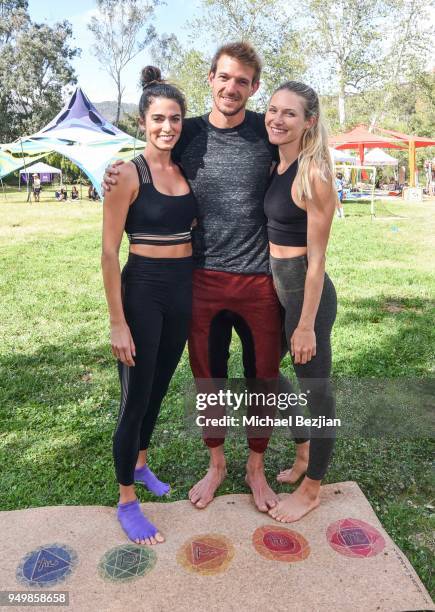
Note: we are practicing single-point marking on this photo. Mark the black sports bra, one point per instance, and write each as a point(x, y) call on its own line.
point(286, 221)
point(157, 218)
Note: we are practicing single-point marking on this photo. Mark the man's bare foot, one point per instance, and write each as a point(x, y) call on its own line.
point(299, 466)
point(264, 497)
point(203, 492)
point(293, 507)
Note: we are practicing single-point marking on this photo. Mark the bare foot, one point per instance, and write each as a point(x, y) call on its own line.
point(203, 492)
point(264, 497)
point(299, 466)
point(293, 507)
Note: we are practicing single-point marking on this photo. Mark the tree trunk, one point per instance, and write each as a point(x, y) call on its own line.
point(118, 106)
point(342, 104)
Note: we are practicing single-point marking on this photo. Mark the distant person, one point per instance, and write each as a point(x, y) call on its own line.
point(93, 193)
point(429, 170)
point(339, 185)
point(61, 195)
point(74, 193)
point(36, 187)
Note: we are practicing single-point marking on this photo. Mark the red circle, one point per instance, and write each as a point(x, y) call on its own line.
point(355, 538)
point(280, 542)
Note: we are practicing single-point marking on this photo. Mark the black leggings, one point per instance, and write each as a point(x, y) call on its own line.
point(289, 279)
point(157, 299)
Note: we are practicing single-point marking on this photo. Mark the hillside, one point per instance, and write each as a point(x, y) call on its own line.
point(108, 109)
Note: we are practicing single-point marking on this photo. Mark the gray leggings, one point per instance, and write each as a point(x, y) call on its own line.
point(289, 280)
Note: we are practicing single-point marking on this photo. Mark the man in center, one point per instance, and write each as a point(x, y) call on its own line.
point(227, 159)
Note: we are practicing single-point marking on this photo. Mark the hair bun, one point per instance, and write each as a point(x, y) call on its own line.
point(150, 75)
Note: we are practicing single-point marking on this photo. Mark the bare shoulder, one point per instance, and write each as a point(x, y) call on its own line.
point(127, 171)
point(322, 187)
point(126, 178)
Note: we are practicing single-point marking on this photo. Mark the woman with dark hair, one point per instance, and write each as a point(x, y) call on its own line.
point(150, 302)
point(299, 205)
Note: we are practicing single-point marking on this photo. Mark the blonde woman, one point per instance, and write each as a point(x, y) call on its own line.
point(299, 205)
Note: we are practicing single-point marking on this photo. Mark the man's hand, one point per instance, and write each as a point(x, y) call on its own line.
point(110, 176)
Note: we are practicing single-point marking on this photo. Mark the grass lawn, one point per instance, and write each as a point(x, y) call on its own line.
point(59, 388)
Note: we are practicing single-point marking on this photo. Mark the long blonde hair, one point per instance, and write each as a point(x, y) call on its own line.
point(314, 154)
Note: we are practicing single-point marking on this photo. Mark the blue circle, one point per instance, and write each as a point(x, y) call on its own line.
point(46, 565)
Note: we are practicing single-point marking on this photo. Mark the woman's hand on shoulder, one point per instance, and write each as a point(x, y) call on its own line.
point(126, 180)
point(111, 175)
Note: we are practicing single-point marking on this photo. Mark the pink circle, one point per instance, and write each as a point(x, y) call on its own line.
point(355, 538)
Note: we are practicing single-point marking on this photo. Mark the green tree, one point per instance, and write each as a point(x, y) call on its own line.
point(121, 31)
point(35, 66)
point(344, 37)
point(404, 67)
point(129, 124)
point(166, 52)
point(13, 17)
point(368, 52)
point(70, 172)
point(190, 75)
point(186, 68)
point(267, 26)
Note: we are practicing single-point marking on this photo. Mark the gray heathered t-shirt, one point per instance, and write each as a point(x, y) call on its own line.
point(228, 170)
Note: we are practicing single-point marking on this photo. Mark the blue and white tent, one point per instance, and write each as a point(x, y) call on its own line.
point(80, 133)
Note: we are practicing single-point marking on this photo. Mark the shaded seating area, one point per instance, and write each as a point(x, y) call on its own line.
point(78, 132)
point(369, 144)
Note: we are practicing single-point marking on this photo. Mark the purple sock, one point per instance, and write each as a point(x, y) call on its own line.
point(133, 522)
point(145, 476)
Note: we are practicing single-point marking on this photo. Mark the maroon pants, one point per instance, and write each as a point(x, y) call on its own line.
point(248, 303)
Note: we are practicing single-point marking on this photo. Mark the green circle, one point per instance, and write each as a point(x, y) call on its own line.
point(128, 562)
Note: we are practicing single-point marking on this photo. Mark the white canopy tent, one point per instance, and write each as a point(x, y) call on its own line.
point(39, 168)
point(378, 157)
point(79, 133)
point(342, 156)
point(370, 185)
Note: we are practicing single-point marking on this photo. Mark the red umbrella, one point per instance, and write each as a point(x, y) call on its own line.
point(360, 138)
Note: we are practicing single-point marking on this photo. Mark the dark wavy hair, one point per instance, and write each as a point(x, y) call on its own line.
point(155, 87)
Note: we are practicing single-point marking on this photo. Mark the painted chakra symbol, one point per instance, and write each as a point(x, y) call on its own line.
point(206, 554)
point(280, 544)
point(127, 562)
point(46, 566)
point(355, 538)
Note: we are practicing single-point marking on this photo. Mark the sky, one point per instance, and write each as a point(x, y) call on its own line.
point(171, 17)
point(95, 82)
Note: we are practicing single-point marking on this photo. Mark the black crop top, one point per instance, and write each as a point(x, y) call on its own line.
point(158, 218)
point(286, 221)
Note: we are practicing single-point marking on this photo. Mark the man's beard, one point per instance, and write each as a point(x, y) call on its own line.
point(233, 112)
